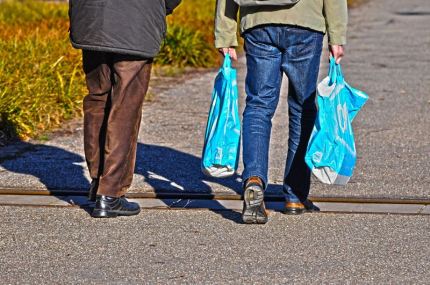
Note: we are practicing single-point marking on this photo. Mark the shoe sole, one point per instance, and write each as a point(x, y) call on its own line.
point(254, 210)
point(111, 214)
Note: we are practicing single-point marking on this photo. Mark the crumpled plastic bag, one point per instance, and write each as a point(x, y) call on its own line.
point(222, 139)
point(331, 152)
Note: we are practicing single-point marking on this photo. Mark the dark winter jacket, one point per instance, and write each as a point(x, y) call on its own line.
point(134, 27)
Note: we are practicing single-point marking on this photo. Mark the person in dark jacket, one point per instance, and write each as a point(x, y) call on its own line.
point(119, 39)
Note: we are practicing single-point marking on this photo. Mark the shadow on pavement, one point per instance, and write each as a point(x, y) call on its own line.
point(56, 168)
point(171, 171)
point(165, 169)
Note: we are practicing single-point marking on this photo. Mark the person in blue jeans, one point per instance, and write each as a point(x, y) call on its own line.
point(280, 39)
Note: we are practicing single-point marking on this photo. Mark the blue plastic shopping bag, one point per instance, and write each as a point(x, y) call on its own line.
point(331, 152)
point(222, 139)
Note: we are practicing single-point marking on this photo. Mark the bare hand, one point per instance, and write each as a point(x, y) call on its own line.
point(230, 51)
point(337, 52)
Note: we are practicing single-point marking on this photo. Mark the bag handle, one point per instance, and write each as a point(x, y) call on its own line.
point(227, 61)
point(335, 72)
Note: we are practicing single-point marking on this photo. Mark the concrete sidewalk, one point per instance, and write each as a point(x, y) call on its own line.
point(66, 246)
point(387, 56)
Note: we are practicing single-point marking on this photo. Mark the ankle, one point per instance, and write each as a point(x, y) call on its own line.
point(106, 198)
point(254, 180)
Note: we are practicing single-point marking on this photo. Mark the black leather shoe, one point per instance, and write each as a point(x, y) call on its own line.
point(92, 192)
point(254, 210)
point(297, 208)
point(111, 207)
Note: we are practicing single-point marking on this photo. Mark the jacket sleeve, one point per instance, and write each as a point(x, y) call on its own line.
point(171, 5)
point(226, 24)
point(336, 18)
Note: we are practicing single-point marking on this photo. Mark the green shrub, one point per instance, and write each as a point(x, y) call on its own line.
point(189, 38)
point(185, 47)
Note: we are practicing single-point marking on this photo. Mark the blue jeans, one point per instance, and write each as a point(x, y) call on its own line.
point(270, 51)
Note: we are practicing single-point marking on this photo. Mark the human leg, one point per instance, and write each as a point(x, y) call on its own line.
point(96, 110)
point(262, 86)
point(301, 60)
point(263, 81)
point(130, 83)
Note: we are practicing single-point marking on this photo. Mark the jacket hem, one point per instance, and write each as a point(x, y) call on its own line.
point(142, 54)
point(314, 28)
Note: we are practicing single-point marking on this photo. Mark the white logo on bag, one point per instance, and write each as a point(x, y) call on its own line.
point(317, 156)
point(218, 155)
point(342, 117)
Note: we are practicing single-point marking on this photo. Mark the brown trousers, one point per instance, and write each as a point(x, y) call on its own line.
point(117, 85)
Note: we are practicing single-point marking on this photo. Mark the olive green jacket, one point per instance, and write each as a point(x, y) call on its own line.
point(327, 16)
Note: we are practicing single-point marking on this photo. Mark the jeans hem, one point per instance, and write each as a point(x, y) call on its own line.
point(247, 176)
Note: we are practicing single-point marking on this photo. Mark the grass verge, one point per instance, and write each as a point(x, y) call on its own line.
point(41, 82)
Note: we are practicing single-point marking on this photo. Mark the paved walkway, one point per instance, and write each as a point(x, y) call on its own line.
point(387, 56)
point(66, 246)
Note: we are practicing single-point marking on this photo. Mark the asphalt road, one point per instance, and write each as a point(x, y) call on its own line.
point(387, 56)
point(66, 246)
